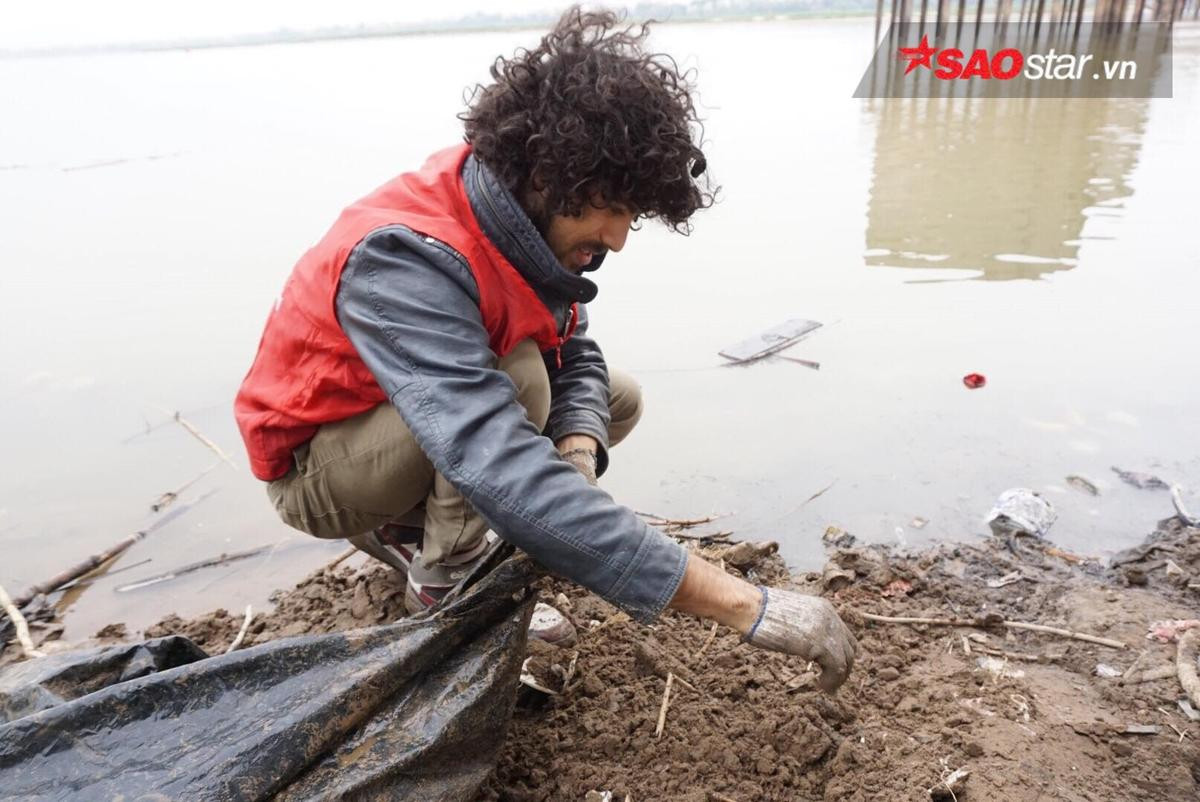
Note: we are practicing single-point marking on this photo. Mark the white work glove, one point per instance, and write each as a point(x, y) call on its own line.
point(584, 460)
point(807, 626)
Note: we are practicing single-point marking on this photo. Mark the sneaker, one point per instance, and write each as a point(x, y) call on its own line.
point(428, 585)
point(391, 544)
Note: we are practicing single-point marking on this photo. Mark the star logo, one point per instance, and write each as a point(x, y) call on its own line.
point(918, 56)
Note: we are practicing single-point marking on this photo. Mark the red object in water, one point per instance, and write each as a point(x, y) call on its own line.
point(974, 380)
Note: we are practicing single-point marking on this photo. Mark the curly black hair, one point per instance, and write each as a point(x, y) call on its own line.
point(588, 116)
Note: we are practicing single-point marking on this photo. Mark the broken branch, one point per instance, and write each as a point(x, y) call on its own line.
point(345, 555)
point(96, 560)
point(1185, 665)
point(241, 636)
point(967, 622)
point(221, 559)
point(196, 433)
point(658, 520)
point(662, 710)
point(1149, 675)
point(712, 635)
point(19, 623)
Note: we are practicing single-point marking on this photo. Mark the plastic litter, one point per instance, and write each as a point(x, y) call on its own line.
point(412, 709)
point(1083, 485)
point(551, 626)
point(1142, 481)
point(1021, 511)
point(974, 381)
point(770, 341)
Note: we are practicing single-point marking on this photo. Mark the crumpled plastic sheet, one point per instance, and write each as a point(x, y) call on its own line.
point(1021, 511)
point(417, 708)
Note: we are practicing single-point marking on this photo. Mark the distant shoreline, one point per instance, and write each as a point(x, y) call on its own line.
point(379, 32)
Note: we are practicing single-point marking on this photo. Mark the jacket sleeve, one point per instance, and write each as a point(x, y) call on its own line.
point(409, 305)
point(579, 394)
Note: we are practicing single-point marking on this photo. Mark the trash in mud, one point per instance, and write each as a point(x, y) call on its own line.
point(770, 341)
point(1180, 509)
point(550, 626)
point(1186, 708)
point(1142, 481)
point(974, 381)
point(1083, 485)
point(950, 786)
point(1012, 577)
point(999, 667)
point(1021, 511)
point(1169, 631)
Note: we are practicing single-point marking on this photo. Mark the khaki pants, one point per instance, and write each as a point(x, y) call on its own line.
point(358, 474)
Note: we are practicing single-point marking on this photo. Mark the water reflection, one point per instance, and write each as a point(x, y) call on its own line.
point(1008, 188)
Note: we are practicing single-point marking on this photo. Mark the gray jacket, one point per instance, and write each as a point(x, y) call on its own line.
point(410, 306)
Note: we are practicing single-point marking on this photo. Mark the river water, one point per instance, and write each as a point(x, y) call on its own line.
point(152, 205)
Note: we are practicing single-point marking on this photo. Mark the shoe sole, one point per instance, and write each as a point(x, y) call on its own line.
point(413, 603)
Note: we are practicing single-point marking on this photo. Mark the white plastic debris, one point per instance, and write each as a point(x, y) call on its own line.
point(1106, 671)
point(550, 626)
point(1021, 511)
point(999, 667)
point(1184, 515)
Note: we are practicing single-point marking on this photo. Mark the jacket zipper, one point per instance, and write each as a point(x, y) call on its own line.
point(562, 337)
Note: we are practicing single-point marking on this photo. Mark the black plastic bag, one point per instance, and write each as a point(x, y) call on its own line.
point(415, 708)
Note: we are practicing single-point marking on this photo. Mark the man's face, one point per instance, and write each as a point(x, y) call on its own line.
point(576, 241)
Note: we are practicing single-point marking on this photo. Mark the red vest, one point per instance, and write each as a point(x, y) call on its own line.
point(307, 372)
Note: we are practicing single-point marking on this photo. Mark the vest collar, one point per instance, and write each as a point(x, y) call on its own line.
point(513, 233)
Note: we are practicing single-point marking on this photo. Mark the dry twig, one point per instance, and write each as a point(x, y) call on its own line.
point(1134, 665)
point(967, 622)
point(221, 559)
point(1023, 656)
point(20, 624)
point(168, 498)
point(712, 635)
point(241, 636)
point(1185, 665)
point(196, 433)
point(96, 560)
point(659, 520)
point(662, 710)
point(345, 555)
point(1149, 675)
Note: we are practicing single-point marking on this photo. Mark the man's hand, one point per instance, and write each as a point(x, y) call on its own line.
point(807, 626)
point(779, 620)
point(580, 451)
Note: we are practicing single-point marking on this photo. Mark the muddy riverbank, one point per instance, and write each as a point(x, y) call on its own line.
point(985, 709)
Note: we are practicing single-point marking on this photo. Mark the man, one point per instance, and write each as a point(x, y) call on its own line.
point(427, 374)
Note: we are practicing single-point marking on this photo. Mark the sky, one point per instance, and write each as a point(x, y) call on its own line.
point(58, 23)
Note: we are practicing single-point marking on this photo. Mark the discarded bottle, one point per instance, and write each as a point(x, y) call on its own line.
point(1021, 511)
